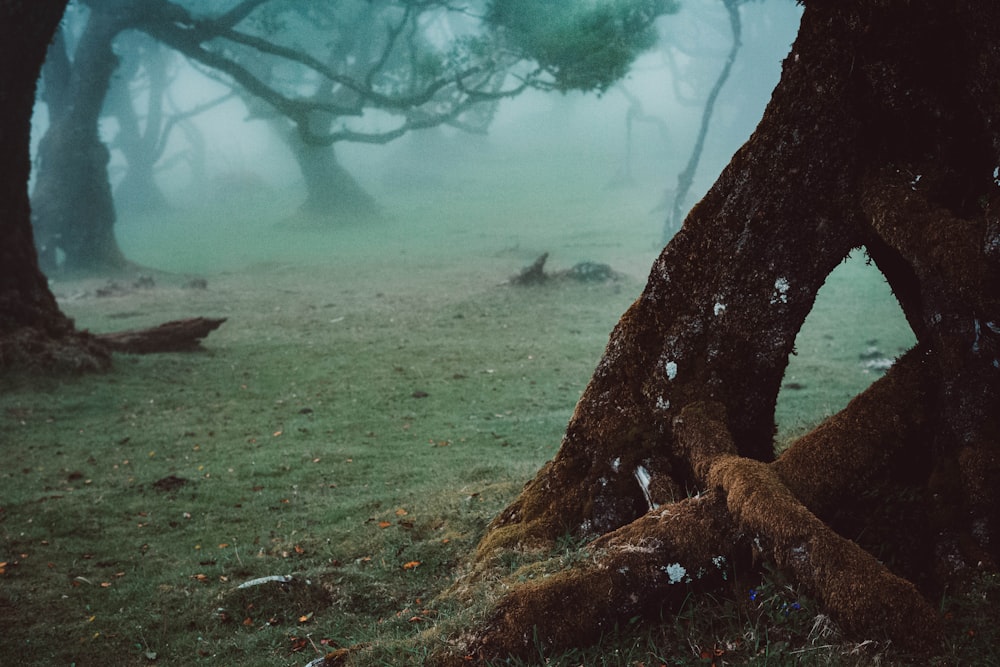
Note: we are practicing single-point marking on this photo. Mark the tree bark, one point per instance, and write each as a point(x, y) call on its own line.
point(72, 205)
point(876, 136)
point(33, 332)
point(331, 191)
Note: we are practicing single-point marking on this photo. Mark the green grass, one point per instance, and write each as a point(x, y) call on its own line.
point(376, 396)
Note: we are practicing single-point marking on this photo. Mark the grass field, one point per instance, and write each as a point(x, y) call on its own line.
point(375, 397)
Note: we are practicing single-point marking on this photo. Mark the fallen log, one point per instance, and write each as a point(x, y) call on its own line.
point(175, 336)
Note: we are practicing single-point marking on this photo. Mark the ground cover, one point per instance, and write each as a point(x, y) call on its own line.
point(375, 396)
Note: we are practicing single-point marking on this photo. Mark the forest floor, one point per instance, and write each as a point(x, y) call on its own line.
point(376, 395)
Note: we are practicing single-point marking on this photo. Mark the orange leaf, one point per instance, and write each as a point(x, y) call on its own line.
point(412, 564)
point(384, 524)
point(105, 584)
point(401, 512)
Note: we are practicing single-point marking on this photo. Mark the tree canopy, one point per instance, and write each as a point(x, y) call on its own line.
point(356, 71)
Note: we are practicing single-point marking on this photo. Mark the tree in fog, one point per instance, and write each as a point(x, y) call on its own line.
point(884, 133)
point(72, 207)
point(138, 101)
point(359, 71)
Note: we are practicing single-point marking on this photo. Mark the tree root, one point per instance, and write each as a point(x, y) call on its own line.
point(750, 508)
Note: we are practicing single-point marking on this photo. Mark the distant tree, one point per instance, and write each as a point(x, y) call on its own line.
point(33, 332)
point(680, 194)
point(884, 132)
point(359, 71)
point(72, 206)
point(144, 72)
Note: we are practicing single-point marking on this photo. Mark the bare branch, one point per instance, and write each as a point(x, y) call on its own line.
point(238, 13)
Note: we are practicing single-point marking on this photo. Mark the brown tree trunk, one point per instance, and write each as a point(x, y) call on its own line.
point(33, 331)
point(884, 132)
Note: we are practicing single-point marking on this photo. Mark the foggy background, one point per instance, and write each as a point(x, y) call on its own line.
point(551, 164)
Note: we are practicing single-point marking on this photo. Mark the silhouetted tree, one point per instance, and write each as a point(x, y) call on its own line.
point(33, 332)
point(144, 72)
point(686, 178)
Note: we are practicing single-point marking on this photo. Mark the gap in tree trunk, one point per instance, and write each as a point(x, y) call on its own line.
point(853, 333)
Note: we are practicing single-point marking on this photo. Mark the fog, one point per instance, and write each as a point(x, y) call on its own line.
point(546, 166)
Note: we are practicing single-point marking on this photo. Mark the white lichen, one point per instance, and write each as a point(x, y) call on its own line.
point(671, 367)
point(780, 294)
point(662, 403)
point(799, 554)
point(720, 562)
point(616, 464)
point(643, 477)
point(675, 572)
point(719, 308)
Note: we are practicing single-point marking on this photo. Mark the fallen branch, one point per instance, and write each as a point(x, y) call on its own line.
point(175, 336)
point(583, 272)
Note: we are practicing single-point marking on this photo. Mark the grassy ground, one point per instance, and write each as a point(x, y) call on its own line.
point(376, 396)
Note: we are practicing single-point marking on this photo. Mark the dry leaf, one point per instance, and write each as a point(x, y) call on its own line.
point(412, 564)
point(381, 524)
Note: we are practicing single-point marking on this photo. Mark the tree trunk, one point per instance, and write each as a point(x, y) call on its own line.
point(880, 136)
point(72, 206)
point(32, 330)
point(140, 139)
point(331, 192)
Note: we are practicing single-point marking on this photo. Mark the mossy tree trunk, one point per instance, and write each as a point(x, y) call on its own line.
point(884, 132)
point(33, 332)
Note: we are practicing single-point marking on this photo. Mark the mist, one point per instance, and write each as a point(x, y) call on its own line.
point(562, 172)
